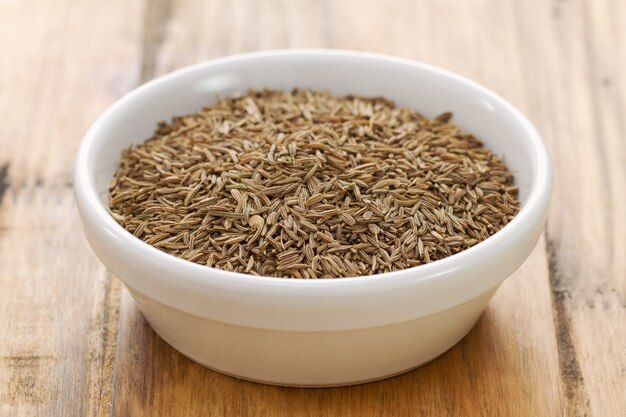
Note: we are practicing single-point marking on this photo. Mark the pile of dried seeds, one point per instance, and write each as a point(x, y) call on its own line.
point(307, 185)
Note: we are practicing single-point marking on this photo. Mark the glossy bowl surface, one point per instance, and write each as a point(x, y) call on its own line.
point(313, 332)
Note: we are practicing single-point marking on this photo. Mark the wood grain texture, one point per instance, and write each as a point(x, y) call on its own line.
point(579, 47)
point(62, 64)
point(553, 339)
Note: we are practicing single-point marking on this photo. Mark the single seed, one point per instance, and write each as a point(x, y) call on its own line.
point(256, 222)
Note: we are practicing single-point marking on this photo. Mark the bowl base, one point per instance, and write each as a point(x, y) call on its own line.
point(312, 359)
point(312, 386)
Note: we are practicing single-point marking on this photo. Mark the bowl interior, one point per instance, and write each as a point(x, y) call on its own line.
point(427, 90)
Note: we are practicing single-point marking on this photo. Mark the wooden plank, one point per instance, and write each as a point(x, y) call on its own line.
point(604, 364)
point(69, 346)
point(507, 366)
point(62, 63)
point(575, 57)
point(197, 31)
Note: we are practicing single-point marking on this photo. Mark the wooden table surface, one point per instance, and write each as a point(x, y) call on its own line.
point(553, 341)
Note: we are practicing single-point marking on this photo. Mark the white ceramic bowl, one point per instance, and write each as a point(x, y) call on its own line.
point(313, 332)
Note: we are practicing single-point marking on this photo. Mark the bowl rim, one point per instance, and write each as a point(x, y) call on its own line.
point(534, 205)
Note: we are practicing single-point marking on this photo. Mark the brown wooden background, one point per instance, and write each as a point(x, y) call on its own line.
point(553, 341)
